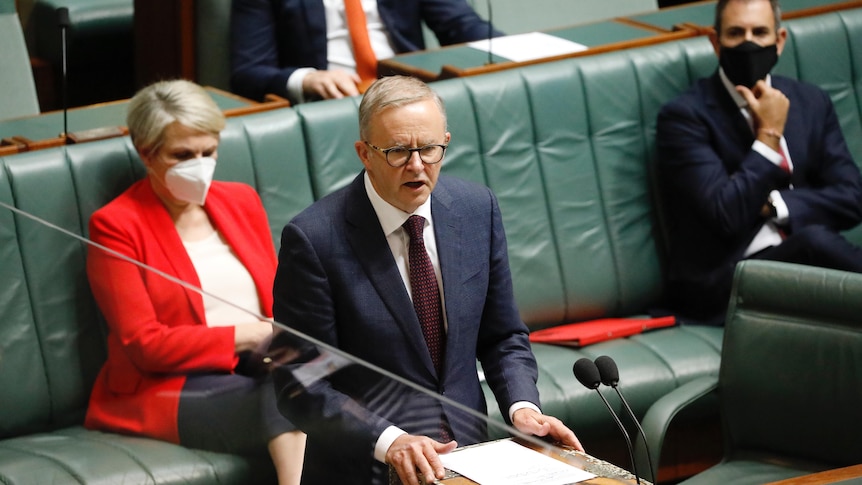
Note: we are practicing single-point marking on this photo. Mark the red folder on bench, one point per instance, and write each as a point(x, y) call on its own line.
point(585, 333)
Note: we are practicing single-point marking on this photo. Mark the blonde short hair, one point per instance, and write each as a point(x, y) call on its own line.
point(160, 104)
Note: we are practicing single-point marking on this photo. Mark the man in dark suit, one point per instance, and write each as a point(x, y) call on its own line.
point(752, 166)
point(346, 276)
point(300, 49)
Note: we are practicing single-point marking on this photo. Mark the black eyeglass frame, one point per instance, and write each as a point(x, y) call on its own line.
point(387, 151)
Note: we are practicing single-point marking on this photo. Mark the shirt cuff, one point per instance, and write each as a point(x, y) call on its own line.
point(768, 153)
point(521, 405)
point(385, 441)
point(294, 84)
point(782, 213)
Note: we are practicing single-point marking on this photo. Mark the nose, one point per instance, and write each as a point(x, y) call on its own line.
point(415, 162)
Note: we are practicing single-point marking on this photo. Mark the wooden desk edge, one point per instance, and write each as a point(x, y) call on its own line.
point(18, 144)
point(449, 71)
point(824, 477)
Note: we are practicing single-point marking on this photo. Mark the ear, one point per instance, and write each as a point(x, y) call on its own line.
point(713, 39)
point(146, 157)
point(782, 39)
point(362, 151)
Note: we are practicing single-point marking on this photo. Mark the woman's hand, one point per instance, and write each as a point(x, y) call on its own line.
point(249, 336)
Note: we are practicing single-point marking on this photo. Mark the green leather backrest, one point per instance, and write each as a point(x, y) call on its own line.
point(825, 50)
point(51, 341)
point(18, 93)
point(212, 43)
point(792, 363)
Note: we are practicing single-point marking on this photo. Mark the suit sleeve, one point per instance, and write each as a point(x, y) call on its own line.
point(727, 199)
point(832, 194)
point(129, 295)
point(255, 69)
point(503, 347)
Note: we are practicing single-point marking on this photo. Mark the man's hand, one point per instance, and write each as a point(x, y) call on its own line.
point(331, 84)
point(411, 454)
point(768, 107)
point(528, 421)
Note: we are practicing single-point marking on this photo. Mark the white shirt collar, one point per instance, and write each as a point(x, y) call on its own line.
point(391, 218)
point(731, 88)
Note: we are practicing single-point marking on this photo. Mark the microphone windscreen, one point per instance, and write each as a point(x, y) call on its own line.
point(587, 373)
point(608, 371)
point(63, 17)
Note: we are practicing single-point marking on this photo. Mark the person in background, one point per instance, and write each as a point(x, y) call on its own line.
point(303, 50)
point(406, 269)
point(181, 364)
point(752, 165)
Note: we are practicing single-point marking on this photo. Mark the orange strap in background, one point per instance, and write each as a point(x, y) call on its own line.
point(366, 61)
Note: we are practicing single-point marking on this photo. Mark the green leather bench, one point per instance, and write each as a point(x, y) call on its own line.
point(567, 148)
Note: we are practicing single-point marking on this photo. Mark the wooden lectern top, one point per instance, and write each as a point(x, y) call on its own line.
point(606, 473)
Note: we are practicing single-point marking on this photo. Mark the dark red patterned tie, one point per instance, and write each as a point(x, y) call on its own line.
point(426, 293)
point(785, 165)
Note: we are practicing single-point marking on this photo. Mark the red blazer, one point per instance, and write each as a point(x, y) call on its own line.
point(157, 328)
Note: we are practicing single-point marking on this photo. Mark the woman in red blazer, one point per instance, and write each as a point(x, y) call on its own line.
point(178, 366)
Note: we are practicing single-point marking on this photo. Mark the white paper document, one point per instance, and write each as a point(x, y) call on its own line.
point(505, 462)
point(529, 46)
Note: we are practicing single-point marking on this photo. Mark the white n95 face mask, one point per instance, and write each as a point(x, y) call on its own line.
point(190, 180)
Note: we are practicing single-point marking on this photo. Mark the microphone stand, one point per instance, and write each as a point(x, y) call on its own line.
point(588, 374)
point(610, 376)
point(63, 22)
point(490, 33)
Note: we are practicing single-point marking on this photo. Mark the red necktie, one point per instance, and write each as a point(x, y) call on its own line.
point(366, 61)
point(785, 165)
point(426, 293)
point(426, 302)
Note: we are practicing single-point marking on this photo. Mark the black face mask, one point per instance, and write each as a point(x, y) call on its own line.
point(748, 62)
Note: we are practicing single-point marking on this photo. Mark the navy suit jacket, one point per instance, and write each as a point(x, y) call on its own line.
point(337, 282)
point(714, 185)
point(272, 38)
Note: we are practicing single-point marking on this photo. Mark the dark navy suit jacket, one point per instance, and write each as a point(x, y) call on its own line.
point(714, 184)
point(272, 38)
point(337, 282)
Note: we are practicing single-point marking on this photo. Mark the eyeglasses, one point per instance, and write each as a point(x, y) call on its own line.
point(399, 156)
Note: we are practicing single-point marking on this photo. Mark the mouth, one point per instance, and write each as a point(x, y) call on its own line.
point(415, 185)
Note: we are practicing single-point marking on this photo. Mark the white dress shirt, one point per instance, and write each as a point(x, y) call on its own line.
point(768, 234)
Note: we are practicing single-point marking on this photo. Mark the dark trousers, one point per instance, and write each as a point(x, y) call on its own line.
point(229, 413)
point(816, 246)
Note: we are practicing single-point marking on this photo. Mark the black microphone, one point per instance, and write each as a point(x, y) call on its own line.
point(63, 22)
point(610, 376)
point(588, 374)
point(490, 32)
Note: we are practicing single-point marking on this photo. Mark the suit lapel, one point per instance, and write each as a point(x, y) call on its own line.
point(728, 115)
point(368, 242)
point(729, 121)
point(448, 233)
point(166, 237)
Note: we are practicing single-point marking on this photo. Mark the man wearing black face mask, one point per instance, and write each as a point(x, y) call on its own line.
point(751, 166)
